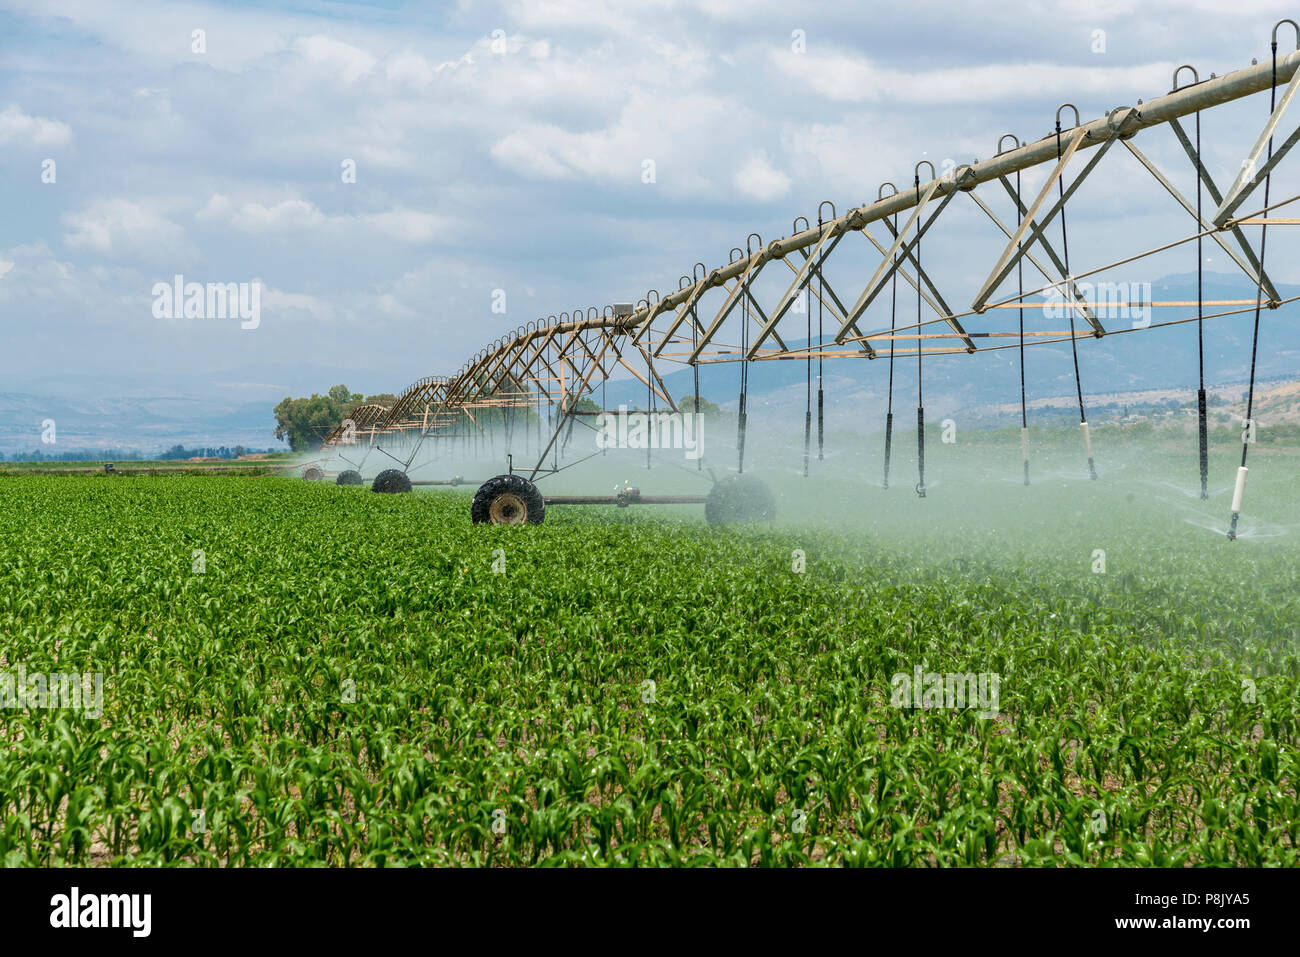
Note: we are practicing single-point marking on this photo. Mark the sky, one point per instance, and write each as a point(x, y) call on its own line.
point(500, 152)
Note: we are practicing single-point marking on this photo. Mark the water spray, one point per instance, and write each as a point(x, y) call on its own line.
point(1087, 448)
point(1024, 451)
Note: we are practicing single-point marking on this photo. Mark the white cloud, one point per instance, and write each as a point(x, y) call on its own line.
point(36, 283)
point(596, 16)
point(290, 214)
point(119, 226)
point(412, 70)
point(408, 225)
point(385, 157)
point(401, 223)
point(277, 299)
point(349, 62)
point(390, 305)
point(849, 78)
point(18, 127)
point(151, 31)
point(759, 179)
point(847, 158)
point(254, 217)
point(679, 134)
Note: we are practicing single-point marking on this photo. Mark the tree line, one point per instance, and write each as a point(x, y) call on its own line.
point(304, 422)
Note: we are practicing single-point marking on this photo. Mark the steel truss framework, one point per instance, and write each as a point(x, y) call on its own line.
point(549, 365)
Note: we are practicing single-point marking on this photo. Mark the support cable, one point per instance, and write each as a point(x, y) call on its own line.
point(1203, 429)
point(695, 370)
point(889, 409)
point(1020, 282)
point(650, 407)
point(1067, 291)
point(551, 426)
point(807, 408)
point(920, 403)
point(1248, 427)
point(821, 394)
point(744, 387)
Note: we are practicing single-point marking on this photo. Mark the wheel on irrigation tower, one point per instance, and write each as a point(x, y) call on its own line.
point(349, 477)
point(739, 498)
point(508, 500)
point(391, 480)
point(313, 473)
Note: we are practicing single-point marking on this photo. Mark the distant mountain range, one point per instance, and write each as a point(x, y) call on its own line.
point(148, 412)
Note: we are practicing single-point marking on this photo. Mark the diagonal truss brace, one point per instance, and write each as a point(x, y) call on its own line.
point(812, 266)
point(687, 309)
point(1250, 265)
point(943, 309)
point(1251, 173)
point(802, 276)
point(733, 296)
point(939, 307)
point(890, 262)
point(1018, 245)
point(1063, 282)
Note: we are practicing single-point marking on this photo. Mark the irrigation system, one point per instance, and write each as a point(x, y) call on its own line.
point(759, 306)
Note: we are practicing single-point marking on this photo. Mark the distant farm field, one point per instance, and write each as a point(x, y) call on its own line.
point(298, 674)
point(150, 466)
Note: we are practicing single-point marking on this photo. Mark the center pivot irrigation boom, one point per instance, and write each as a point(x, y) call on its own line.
point(534, 385)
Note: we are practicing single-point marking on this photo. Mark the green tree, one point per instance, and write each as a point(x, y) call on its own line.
point(711, 409)
point(304, 423)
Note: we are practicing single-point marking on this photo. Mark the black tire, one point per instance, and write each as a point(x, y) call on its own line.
point(740, 498)
point(313, 473)
point(393, 481)
point(508, 500)
point(349, 477)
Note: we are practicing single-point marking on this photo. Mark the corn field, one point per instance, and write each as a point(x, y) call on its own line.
point(303, 674)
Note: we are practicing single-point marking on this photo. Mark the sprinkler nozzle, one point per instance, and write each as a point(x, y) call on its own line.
point(1238, 498)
